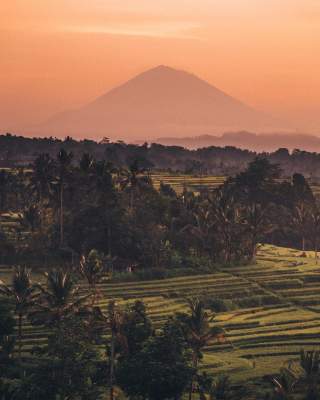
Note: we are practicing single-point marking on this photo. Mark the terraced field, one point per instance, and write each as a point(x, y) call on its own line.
point(196, 183)
point(192, 183)
point(278, 310)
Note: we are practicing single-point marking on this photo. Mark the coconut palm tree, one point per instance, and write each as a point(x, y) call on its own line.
point(23, 293)
point(103, 179)
point(256, 222)
point(132, 179)
point(30, 217)
point(59, 298)
point(114, 321)
point(284, 385)
point(314, 229)
point(310, 365)
point(91, 269)
point(202, 227)
point(86, 162)
point(301, 220)
point(64, 160)
point(5, 181)
point(227, 218)
point(41, 180)
point(198, 332)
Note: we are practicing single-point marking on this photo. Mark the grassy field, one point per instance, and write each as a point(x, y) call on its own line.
point(278, 310)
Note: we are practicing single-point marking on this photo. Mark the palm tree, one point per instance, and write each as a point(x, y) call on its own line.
point(114, 320)
point(284, 385)
point(133, 179)
point(113, 323)
point(23, 293)
point(92, 268)
point(86, 162)
point(300, 220)
point(5, 180)
point(59, 298)
point(30, 217)
point(41, 180)
point(216, 390)
point(227, 218)
point(198, 332)
point(64, 160)
point(103, 179)
point(314, 229)
point(257, 222)
point(202, 227)
point(310, 364)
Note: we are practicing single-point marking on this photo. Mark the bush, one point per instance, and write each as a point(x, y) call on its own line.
point(258, 301)
point(220, 305)
point(179, 266)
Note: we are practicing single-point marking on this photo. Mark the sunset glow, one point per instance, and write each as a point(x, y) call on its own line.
point(60, 54)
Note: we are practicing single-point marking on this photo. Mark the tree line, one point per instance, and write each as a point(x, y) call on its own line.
point(66, 209)
point(18, 151)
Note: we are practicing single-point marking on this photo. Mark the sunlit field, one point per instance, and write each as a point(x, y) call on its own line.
point(192, 183)
point(274, 310)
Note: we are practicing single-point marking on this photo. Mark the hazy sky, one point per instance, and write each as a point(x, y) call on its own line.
point(59, 54)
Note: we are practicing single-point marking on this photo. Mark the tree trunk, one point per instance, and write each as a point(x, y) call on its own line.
point(254, 249)
point(41, 212)
point(131, 199)
point(20, 338)
point(109, 240)
point(112, 365)
point(303, 243)
point(195, 366)
point(61, 215)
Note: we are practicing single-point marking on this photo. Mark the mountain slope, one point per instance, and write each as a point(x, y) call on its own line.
point(160, 101)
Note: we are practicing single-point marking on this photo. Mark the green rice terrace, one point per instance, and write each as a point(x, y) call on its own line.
point(195, 183)
point(191, 182)
point(273, 309)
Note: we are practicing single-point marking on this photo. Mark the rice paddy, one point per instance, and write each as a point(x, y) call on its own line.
point(191, 182)
point(277, 310)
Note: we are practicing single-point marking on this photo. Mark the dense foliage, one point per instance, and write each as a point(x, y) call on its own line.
point(67, 208)
point(103, 221)
point(221, 161)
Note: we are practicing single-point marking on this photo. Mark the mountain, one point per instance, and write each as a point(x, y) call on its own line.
point(246, 140)
point(160, 101)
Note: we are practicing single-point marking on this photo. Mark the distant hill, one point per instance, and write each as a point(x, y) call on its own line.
point(248, 140)
point(159, 102)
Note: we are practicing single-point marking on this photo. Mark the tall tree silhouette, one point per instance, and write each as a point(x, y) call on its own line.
point(23, 294)
point(132, 179)
point(64, 160)
point(41, 180)
point(198, 332)
point(5, 180)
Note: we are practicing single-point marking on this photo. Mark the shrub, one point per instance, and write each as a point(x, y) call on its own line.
point(220, 305)
point(258, 301)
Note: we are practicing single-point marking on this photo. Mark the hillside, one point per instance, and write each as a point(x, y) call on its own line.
point(275, 310)
point(160, 101)
point(247, 140)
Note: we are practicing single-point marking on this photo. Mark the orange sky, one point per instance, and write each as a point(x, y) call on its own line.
point(59, 54)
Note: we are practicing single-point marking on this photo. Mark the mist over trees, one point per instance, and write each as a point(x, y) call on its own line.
point(222, 161)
